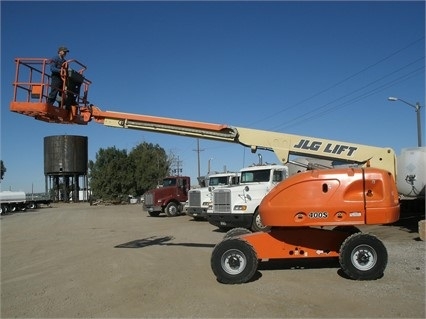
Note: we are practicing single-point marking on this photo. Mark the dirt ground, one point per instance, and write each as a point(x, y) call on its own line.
point(82, 261)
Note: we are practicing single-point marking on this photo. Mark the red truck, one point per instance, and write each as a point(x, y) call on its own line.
point(169, 198)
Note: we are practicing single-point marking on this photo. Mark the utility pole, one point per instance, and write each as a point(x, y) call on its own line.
point(178, 168)
point(198, 150)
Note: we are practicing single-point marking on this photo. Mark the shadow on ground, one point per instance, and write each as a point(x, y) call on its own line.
point(159, 241)
point(412, 211)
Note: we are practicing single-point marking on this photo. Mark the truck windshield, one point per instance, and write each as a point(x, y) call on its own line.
point(218, 180)
point(255, 176)
point(169, 182)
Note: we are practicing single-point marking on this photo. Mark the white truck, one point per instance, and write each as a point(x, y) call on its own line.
point(237, 206)
point(199, 199)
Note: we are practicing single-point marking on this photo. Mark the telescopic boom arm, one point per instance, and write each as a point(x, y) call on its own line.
point(30, 97)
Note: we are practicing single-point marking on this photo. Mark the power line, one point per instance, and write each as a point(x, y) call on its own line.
point(341, 81)
point(297, 119)
point(355, 99)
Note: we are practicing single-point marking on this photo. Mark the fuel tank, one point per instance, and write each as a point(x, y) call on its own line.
point(12, 197)
point(411, 172)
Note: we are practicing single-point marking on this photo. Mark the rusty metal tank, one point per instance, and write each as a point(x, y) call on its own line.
point(65, 155)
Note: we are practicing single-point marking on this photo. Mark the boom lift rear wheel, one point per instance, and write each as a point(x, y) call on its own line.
point(363, 257)
point(257, 224)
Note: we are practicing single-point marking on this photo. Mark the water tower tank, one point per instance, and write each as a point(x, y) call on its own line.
point(65, 155)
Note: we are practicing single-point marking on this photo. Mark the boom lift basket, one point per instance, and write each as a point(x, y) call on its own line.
point(32, 85)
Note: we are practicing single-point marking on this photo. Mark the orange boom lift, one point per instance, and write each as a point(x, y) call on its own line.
point(312, 214)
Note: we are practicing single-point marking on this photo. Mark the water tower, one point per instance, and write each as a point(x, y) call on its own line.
point(65, 167)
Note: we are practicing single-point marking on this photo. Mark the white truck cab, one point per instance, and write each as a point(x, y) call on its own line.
point(237, 206)
point(199, 199)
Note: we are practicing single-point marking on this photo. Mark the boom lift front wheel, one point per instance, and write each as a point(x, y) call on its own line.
point(363, 257)
point(233, 261)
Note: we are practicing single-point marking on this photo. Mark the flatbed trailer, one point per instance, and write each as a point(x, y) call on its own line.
point(37, 199)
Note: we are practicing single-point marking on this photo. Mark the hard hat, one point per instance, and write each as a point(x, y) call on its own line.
point(65, 49)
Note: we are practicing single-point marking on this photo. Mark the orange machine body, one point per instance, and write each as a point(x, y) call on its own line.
point(347, 196)
point(298, 208)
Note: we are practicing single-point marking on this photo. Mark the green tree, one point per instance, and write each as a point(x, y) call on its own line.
point(115, 174)
point(149, 165)
point(3, 169)
point(108, 175)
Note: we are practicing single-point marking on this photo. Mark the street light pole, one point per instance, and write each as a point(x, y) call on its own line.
point(417, 107)
point(209, 167)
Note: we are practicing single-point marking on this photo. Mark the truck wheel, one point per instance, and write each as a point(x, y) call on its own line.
point(5, 209)
point(257, 225)
point(236, 232)
point(172, 209)
point(233, 261)
point(363, 257)
point(32, 205)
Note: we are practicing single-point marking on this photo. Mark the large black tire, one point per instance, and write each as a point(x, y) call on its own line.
point(363, 257)
point(172, 209)
point(32, 205)
point(257, 225)
point(233, 261)
point(236, 232)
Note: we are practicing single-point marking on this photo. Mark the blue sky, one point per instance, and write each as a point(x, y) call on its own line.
point(321, 69)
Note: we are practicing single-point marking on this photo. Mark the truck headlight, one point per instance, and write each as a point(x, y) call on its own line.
point(240, 207)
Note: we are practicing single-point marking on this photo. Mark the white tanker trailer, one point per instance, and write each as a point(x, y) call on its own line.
point(12, 201)
point(19, 201)
point(411, 172)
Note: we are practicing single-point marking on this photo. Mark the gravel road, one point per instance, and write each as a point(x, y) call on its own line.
point(82, 261)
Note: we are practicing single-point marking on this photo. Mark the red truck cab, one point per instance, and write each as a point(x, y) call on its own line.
point(169, 198)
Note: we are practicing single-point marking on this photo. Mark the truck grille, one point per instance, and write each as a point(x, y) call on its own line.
point(194, 198)
point(222, 201)
point(148, 199)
